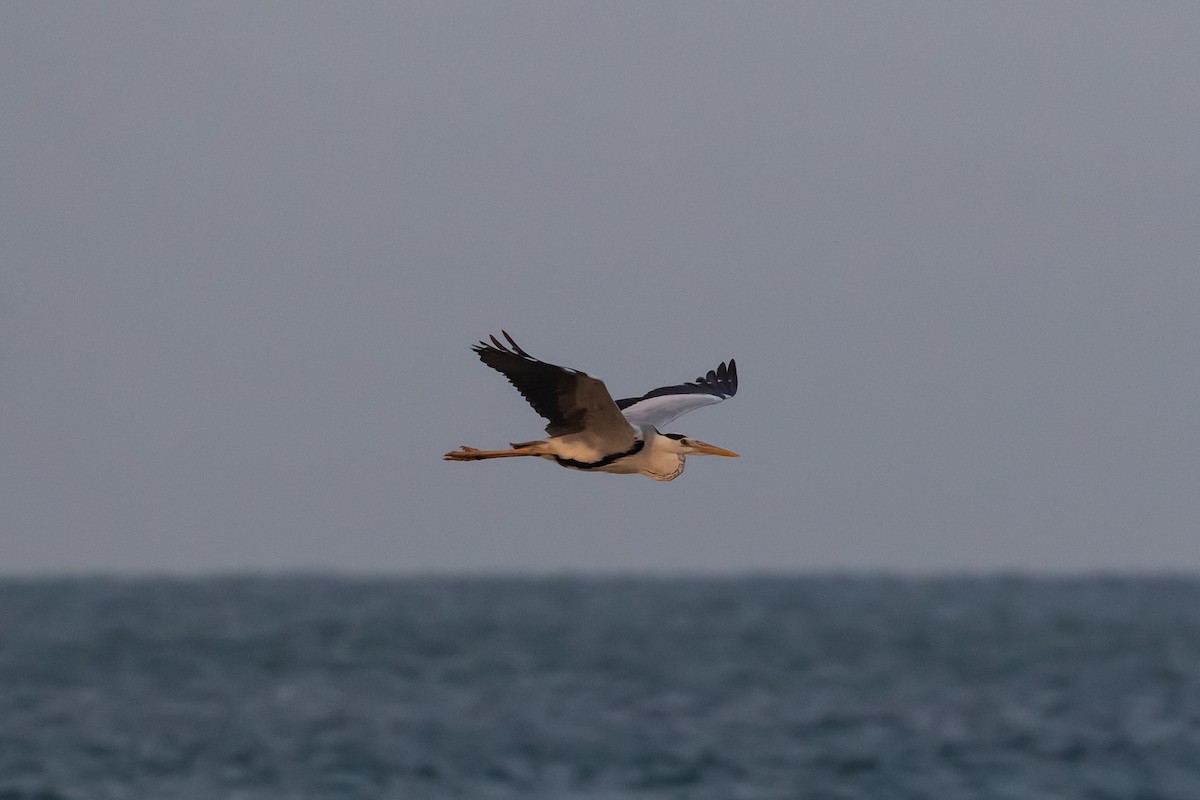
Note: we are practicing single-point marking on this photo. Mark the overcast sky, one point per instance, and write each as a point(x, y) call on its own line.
point(955, 249)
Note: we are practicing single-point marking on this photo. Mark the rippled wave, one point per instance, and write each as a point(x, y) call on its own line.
point(609, 688)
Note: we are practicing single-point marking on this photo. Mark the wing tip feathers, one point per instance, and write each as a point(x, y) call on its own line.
point(512, 348)
point(723, 379)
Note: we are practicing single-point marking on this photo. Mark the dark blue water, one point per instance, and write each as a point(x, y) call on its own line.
point(617, 688)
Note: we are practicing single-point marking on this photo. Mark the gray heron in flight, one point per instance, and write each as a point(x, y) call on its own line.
point(589, 430)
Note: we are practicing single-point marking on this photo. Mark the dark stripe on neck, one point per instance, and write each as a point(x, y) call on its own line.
point(604, 462)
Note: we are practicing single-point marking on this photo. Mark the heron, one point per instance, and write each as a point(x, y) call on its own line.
point(591, 432)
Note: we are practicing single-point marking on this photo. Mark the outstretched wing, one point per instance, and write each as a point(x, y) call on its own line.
point(659, 406)
point(571, 401)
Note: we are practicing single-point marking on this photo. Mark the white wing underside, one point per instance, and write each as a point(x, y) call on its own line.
point(660, 411)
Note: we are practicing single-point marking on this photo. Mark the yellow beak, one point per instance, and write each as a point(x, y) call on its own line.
point(705, 449)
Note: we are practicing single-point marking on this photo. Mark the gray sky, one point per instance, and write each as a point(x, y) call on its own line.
point(246, 247)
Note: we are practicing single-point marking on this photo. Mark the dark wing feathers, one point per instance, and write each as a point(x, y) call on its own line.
point(721, 382)
point(569, 400)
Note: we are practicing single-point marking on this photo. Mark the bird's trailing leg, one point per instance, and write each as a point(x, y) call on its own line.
point(464, 453)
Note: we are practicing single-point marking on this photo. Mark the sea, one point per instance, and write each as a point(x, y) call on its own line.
point(871, 687)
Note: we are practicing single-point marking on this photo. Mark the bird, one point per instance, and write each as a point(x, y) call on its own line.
point(588, 430)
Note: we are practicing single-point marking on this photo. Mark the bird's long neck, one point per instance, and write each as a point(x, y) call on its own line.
point(664, 459)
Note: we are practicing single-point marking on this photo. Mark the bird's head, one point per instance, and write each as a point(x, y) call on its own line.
point(685, 445)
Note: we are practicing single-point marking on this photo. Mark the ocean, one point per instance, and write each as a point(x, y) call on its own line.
point(618, 688)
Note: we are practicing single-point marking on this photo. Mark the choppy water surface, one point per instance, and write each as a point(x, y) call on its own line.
point(616, 688)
